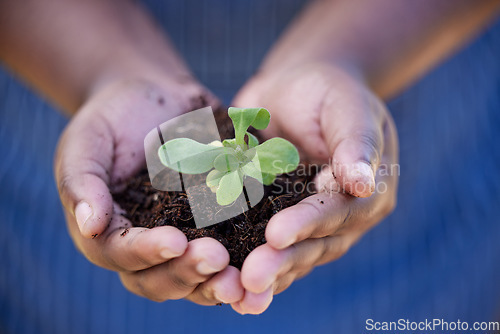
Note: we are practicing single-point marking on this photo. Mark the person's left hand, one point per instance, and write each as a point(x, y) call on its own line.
point(101, 148)
point(332, 117)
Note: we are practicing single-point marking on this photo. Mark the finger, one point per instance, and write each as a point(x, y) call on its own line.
point(258, 273)
point(125, 248)
point(224, 287)
point(179, 277)
point(352, 125)
point(268, 267)
point(316, 216)
point(265, 266)
point(84, 157)
point(331, 212)
point(132, 249)
point(254, 303)
point(286, 280)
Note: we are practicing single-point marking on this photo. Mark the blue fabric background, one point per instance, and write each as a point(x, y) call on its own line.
point(436, 256)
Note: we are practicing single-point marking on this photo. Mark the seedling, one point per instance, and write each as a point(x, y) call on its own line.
point(232, 160)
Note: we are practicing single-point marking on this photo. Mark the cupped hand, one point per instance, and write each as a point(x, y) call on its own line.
point(103, 146)
point(334, 119)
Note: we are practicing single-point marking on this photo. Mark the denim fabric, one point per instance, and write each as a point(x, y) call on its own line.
point(436, 256)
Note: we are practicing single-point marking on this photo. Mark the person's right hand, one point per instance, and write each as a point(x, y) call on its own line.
point(101, 147)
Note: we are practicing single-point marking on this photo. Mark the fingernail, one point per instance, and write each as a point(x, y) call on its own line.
point(168, 253)
point(268, 285)
point(277, 236)
point(267, 298)
point(364, 173)
point(216, 296)
point(290, 240)
point(269, 292)
point(238, 308)
point(205, 269)
point(83, 212)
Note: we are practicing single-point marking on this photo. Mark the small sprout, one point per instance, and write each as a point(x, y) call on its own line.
point(231, 161)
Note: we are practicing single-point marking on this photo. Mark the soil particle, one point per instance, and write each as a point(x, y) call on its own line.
point(147, 207)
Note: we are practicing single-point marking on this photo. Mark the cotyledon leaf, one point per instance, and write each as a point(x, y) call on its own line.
point(230, 187)
point(226, 162)
point(229, 143)
point(244, 118)
point(252, 140)
point(188, 156)
point(277, 156)
point(213, 179)
point(250, 169)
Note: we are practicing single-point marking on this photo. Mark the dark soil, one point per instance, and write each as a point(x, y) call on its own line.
point(148, 207)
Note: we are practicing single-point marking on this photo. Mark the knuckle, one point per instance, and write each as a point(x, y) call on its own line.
point(333, 248)
point(138, 284)
point(144, 261)
point(208, 294)
point(372, 141)
point(284, 283)
point(349, 213)
point(183, 283)
point(366, 140)
point(64, 186)
point(137, 250)
point(315, 206)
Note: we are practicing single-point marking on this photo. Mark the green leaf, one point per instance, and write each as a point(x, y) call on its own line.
point(277, 156)
point(262, 118)
point(250, 169)
point(252, 140)
point(229, 143)
point(244, 118)
point(226, 162)
point(213, 179)
point(268, 179)
point(188, 156)
point(230, 187)
point(249, 154)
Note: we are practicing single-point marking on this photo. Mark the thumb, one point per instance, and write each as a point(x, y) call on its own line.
point(353, 130)
point(82, 166)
